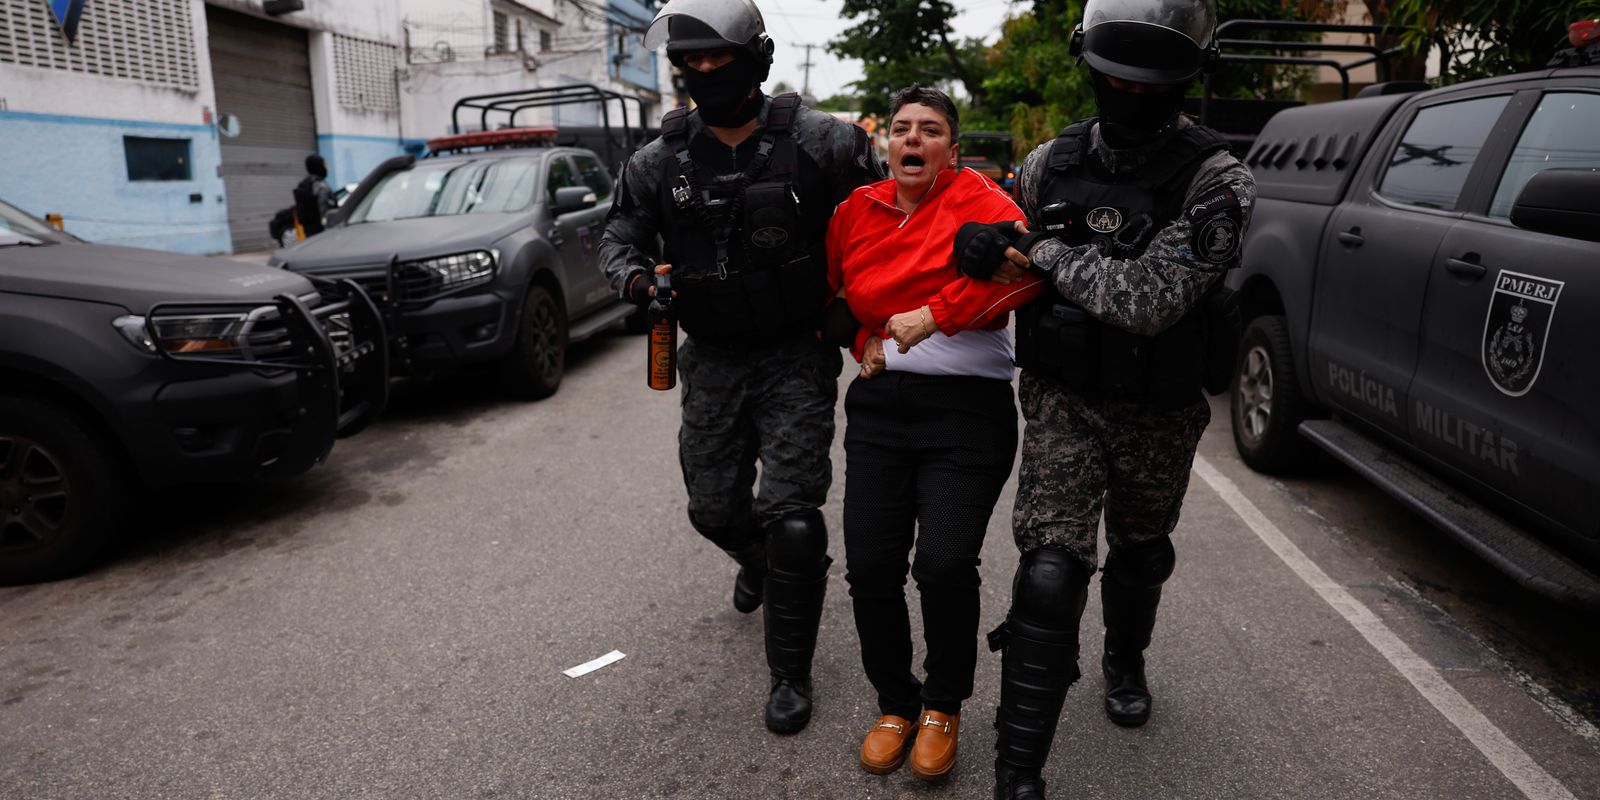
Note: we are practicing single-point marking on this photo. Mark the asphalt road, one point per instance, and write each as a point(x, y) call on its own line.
point(395, 625)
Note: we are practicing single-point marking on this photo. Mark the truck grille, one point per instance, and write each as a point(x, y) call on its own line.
point(412, 284)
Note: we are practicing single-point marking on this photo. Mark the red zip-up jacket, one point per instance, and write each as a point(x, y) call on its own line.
point(889, 262)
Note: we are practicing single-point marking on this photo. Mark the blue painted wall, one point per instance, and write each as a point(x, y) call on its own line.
point(637, 65)
point(350, 158)
point(76, 167)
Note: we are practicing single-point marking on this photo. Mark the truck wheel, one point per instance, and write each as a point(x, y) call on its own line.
point(1266, 402)
point(533, 368)
point(61, 492)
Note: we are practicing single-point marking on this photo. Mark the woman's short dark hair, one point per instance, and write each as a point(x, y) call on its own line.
point(932, 98)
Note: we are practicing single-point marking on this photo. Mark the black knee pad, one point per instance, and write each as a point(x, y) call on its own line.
point(1050, 589)
point(1146, 565)
point(797, 542)
point(729, 537)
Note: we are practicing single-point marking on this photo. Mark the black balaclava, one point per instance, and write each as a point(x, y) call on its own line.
point(316, 166)
point(726, 96)
point(1129, 119)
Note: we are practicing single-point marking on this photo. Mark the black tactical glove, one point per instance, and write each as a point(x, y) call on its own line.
point(638, 292)
point(980, 248)
point(839, 324)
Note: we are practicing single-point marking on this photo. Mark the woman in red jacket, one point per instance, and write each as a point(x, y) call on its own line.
point(931, 424)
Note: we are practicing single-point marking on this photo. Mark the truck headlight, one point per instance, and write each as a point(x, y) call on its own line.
point(246, 334)
point(448, 273)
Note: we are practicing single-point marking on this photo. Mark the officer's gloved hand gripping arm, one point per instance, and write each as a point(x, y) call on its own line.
point(629, 248)
point(1148, 294)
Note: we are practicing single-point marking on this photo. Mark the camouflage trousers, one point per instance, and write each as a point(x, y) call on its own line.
point(772, 403)
point(1079, 455)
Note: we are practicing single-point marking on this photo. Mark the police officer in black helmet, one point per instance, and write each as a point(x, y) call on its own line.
point(1135, 215)
point(740, 191)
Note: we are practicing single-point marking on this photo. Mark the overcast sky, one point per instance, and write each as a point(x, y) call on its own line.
point(793, 23)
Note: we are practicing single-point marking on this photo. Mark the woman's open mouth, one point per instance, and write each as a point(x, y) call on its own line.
point(912, 164)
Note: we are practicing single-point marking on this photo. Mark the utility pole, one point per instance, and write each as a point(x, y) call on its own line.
point(806, 90)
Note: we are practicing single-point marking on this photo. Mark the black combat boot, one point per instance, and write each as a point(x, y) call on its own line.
point(1130, 615)
point(797, 582)
point(793, 612)
point(752, 560)
point(1039, 664)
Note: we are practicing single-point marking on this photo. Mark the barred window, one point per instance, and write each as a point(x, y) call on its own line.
point(143, 40)
point(502, 33)
point(365, 74)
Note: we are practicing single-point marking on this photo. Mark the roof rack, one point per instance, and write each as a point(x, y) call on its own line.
point(507, 105)
point(1379, 57)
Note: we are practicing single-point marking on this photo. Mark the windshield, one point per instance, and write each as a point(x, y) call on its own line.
point(19, 228)
point(443, 189)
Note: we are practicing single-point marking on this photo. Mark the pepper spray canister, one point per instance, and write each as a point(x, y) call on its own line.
point(663, 362)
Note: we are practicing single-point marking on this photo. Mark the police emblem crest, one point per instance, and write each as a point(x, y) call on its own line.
point(1217, 240)
point(1104, 219)
point(1515, 330)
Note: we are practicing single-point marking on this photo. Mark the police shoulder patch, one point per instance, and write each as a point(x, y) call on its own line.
point(1216, 224)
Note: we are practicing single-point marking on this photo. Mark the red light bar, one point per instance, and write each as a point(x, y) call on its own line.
point(491, 138)
point(1584, 33)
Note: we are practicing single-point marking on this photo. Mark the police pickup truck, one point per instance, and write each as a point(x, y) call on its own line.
point(1421, 285)
point(123, 368)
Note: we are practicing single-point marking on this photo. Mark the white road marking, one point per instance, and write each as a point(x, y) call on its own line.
point(1504, 754)
point(590, 666)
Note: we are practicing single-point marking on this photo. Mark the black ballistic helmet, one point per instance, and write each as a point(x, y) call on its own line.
point(1148, 41)
point(685, 26)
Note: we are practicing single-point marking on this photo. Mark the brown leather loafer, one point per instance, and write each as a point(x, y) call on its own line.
point(884, 749)
point(934, 754)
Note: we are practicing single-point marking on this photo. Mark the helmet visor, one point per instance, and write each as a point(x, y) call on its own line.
point(1195, 19)
point(711, 24)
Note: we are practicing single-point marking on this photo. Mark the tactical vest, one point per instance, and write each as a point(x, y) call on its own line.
point(743, 260)
point(1081, 202)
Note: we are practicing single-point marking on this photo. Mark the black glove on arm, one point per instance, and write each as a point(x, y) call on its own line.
point(980, 247)
point(839, 324)
point(639, 283)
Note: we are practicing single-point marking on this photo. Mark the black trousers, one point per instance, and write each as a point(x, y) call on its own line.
point(925, 459)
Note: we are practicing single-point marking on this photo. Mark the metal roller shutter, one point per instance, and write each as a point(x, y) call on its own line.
point(262, 72)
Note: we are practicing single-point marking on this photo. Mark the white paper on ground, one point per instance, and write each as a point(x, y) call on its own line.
point(590, 666)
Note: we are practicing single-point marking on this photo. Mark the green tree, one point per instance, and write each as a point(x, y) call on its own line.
point(1489, 37)
point(1035, 87)
point(901, 42)
point(839, 102)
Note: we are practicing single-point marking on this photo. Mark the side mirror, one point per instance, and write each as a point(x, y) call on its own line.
point(1564, 202)
point(572, 198)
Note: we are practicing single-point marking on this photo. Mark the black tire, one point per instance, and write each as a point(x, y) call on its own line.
point(1266, 403)
point(533, 368)
point(62, 492)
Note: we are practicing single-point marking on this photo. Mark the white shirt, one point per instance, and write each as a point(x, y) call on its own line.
point(983, 354)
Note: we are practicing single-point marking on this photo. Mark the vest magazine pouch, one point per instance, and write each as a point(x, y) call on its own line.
point(1124, 363)
point(1056, 339)
point(714, 307)
point(772, 226)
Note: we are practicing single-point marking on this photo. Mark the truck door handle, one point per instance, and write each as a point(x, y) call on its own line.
point(555, 237)
point(1352, 238)
point(1465, 268)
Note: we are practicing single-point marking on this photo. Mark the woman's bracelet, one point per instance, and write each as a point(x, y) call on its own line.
point(927, 321)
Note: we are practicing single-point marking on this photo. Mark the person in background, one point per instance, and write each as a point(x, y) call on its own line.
point(931, 424)
point(313, 198)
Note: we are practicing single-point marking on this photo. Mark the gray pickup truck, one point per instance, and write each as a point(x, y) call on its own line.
point(123, 369)
point(1421, 285)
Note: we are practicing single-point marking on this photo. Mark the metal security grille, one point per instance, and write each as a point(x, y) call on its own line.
point(142, 40)
point(365, 74)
